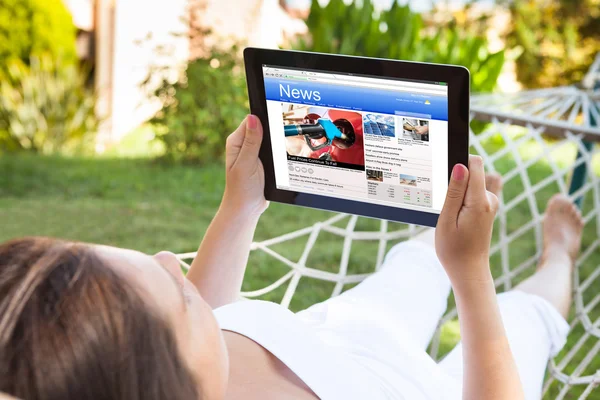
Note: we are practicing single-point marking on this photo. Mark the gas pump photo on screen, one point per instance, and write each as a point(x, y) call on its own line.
point(322, 133)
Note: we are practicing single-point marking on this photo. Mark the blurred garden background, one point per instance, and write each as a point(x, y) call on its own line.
point(114, 113)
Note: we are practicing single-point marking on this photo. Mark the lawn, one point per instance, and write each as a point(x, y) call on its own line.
point(147, 206)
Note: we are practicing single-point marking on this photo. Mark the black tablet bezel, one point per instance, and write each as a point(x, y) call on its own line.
point(456, 77)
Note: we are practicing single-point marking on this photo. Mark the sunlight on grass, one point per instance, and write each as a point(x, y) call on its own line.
point(563, 155)
point(449, 336)
point(139, 143)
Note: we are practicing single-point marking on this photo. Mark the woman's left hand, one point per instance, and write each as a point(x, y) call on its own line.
point(244, 189)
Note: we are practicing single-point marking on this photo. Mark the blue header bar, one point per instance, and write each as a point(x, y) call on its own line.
point(357, 98)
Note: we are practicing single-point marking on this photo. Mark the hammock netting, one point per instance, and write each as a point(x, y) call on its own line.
point(541, 142)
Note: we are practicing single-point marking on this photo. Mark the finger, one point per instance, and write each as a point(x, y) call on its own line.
point(236, 139)
point(493, 201)
point(476, 192)
point(252, 139)
point(456, 194)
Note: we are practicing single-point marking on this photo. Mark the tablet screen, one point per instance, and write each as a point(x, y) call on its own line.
point(359, 137)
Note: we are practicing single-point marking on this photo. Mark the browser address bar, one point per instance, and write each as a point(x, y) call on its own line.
point(309, 75)
point(441, 88)
point(371, 85)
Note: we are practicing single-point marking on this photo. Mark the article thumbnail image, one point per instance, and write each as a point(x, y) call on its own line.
point(415, 129)
point(377, 124)
point(323, 133)
point(408, 180)
point(373, 175)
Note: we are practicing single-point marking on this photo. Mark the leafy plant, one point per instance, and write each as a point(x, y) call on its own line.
point(398, 33)
point(35, 27)
point(45, 107)
point(202, 107)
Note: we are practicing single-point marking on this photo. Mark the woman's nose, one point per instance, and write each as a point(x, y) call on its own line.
point(171, 263)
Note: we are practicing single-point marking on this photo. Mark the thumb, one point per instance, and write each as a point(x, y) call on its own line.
point(253, 135)
point(456, 193)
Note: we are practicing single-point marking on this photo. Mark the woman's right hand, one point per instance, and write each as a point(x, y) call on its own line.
point(464, 229)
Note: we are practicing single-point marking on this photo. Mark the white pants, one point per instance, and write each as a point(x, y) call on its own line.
point(394, 313)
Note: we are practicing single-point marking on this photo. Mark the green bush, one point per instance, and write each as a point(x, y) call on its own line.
point(400, 34)
point(202, 108)
point(35, 27)
point(45, 108)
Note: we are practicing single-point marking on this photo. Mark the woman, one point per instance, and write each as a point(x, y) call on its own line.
point(81, 321)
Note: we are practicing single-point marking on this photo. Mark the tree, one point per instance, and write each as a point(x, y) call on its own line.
point(558, 38)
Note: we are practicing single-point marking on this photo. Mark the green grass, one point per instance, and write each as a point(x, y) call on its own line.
point(147, 206)
point(139, 143)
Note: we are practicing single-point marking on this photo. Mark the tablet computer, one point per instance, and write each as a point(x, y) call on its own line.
point(371, 137)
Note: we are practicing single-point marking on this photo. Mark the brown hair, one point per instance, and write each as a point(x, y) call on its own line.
point(71, 328)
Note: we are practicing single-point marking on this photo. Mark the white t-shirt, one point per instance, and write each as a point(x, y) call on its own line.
point(329, 371)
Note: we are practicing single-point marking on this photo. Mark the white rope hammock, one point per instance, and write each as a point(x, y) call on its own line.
point(518, 122)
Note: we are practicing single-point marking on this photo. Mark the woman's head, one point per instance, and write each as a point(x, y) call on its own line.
point(81, 322)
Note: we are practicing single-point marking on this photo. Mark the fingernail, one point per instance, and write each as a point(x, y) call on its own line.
point(458, 172)
point(251, 122)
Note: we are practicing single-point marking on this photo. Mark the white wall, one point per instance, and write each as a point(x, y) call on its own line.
point(133, 56)
point(261, 23)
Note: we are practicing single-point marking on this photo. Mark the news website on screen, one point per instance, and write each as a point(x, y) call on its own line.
point(382, 141)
